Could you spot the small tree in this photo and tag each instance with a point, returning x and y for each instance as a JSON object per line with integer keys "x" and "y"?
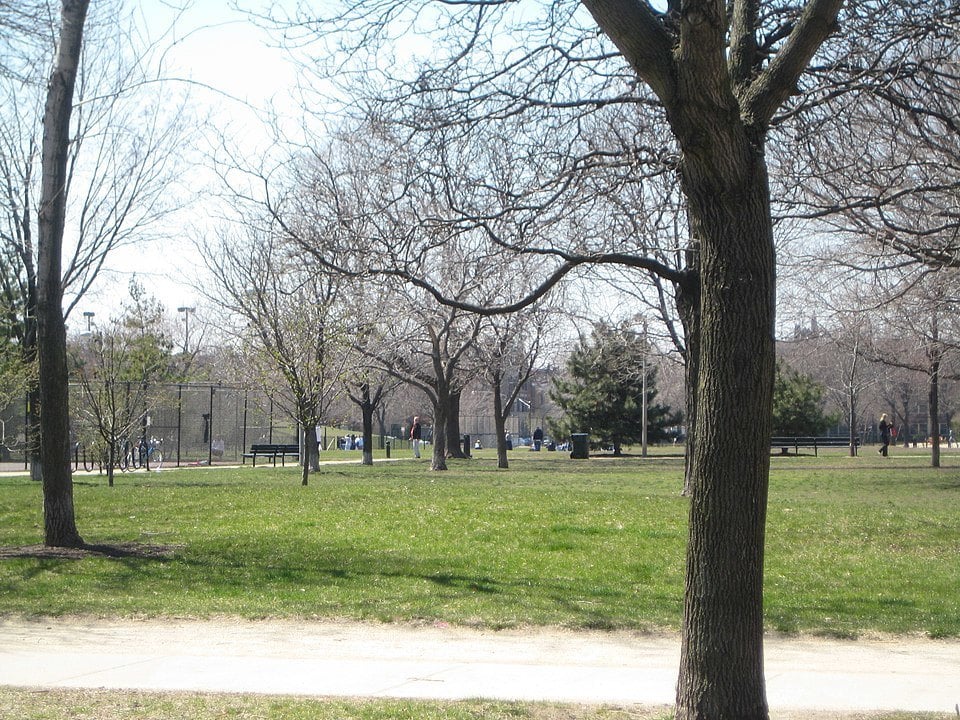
{"x": 798, "y": 404}
{"x": 112, "y": 405}
{"x": 605, "y": 392}
{"x": 119, "y": 370}
{"x": 288, "y": 320}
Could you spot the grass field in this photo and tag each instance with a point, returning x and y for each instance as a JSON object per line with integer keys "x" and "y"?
{"x": 104, "y": 705}
{"x": 98, "y": 705}
{"x": 854, "y": 545}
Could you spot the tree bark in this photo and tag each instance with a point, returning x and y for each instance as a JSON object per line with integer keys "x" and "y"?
{"x": 454, "y": 448}
{"x": 852, "y": 420}
{"x": 33, "y": 430}
{"x": 688, "y": 307}
{"x": 933, "y": 402}
{"x": 440, "y": 409}
{"x": 500, "y": 423}
{"x": 721, "y": 671}
{"x": 59, "y": 519}
{"x": 311, "y": 449}
{"x": 366, "y": 413}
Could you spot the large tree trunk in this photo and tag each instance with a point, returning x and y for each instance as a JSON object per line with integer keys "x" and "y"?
{"x": 500, "y": 424}
{"x": 454, "y": 448}
{"x": 33, "y": 430}
{"x": 59, "y": 519}
{"x": 440, "y": 409}
{"x": 934, "y": 353}
{"x": 852, "y": 420}
{"x": 721, "y": 669}
{"x": 933, "y": 398}
{"x": 688, "y": 307}
{"x": 366, "y": 412}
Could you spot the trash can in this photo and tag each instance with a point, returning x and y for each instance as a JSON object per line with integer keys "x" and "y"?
{"x": 581, "y": 446}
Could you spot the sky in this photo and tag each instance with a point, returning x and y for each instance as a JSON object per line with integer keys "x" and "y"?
{"x": 232, "y": 71}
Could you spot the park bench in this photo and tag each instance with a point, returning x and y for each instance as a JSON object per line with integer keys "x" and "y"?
{"x": 272, "y": 451}
{"x": 809, "y": 441}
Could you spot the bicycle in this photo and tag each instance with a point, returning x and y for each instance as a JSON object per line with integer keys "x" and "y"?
{"x": 147, "y": 455}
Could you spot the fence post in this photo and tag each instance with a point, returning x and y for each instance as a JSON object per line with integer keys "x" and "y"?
{"x": 179, "y": 419}
{"x": 243, "y": 442}
{"x": 210, "y": 434}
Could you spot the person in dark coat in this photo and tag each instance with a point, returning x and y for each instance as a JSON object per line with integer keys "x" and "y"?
{"x": 885, "y": 426}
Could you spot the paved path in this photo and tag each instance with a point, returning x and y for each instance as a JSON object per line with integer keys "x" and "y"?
{"x": 345, "y": 659}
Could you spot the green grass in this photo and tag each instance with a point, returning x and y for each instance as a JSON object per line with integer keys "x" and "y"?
{"x": 107, "y": 705}
{"x": 854, "y": 545}
{"x": 114, "y": 705}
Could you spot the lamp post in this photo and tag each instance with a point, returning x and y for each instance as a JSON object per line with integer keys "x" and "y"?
{"x": 643, "y": 390}
{"x": 529, "y": 408}
{"x": 186, "y": 325}
{"x": 643, "y": 451}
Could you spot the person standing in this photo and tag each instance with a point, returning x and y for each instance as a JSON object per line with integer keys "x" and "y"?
{"x": 537, "y": 439}
{"x": 885, "y": 426}
{"x": 415, "y": 434}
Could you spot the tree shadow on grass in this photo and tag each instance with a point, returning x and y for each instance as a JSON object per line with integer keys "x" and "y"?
{"x": 120, "y": 551}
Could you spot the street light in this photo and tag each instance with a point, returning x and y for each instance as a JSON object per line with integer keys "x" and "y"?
{"x": 89, "y": 315}
{"x": 646, "y": 347}
{"x": 643, "y": 451}
{"x": 186, "y": 325}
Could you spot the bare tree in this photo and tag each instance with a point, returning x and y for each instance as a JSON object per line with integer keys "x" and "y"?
{"x": 288, "y": 318}
{"x": 427, "y": 349}
{"x": 882, "y": 163}
{"x": 509, "y": 350}
{"x": 59, "y": 518}
{"x": 124, "y": 139}
{"x": 115, "y": 400}
{"x": 921, "y": 334}
{"x": 368, "y": 384}
{"x": 720, "y": 71}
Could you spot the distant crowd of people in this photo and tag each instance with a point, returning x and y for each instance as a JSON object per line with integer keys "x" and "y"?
{"x": 350, "y": 442}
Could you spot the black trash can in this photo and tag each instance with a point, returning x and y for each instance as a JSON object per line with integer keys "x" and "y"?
{"x": 581, "y": 446}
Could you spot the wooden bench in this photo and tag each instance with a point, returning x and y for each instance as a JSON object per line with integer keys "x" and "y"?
{"x": 273, "y": 451}
{"x": 809, "y": 441}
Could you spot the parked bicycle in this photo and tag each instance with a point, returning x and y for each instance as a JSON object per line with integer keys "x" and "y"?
{"x": 144, "y": 455}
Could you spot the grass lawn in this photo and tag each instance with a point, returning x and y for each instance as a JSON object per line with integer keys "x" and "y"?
{"x": 100, "y": 705}
{"x": 854, "y": 545}
{"x": 104, "y": 705}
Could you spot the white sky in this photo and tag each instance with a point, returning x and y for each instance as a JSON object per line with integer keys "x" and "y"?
{"x": 233, "y": 72}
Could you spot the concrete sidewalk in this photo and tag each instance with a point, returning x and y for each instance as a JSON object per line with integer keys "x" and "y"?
{"x": 345, "y": 659}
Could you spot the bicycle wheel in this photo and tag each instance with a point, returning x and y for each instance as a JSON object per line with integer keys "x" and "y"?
{"x": 124, "y": 457}
{"x": 89, "y": 465}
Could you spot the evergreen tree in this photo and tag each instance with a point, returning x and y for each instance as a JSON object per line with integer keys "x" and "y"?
{"x": 144, "y": 330}
{"x": 798, "y": 404}
{"x": 603, "y": 393}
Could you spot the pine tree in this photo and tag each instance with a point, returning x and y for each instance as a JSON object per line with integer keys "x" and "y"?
{"x": 798, "y": 404}
{"x": 603, "y": 393}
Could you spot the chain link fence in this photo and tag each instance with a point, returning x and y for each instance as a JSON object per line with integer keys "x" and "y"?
{"x": 189, "y": 423}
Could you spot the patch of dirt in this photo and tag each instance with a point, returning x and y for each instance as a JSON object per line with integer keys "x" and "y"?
{"x": 114, "y": 550}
